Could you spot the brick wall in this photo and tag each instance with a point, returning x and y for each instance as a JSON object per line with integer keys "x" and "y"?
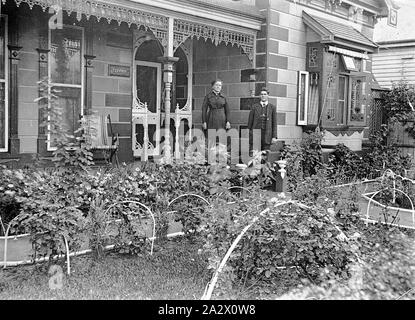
{"x": 230, "y": 65}
{"x": 112, "y": 44}
{"x": 284, "y": 38}
{"x": 281, "y": 53}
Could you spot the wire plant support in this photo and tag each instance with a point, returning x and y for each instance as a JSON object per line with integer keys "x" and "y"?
{"x": 389, "y": 173}
{"x": 148, "y": 210}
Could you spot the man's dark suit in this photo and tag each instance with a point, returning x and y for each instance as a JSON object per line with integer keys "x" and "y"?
{"x": 255, "y": 122}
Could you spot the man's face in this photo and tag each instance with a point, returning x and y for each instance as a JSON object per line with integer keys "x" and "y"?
{"x": 264, "y": 96}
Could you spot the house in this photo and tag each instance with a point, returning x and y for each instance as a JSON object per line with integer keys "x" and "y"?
{"x": 394, "y": 61}
{"x": 395, "y": 58}
{"x": 147, "y": 63}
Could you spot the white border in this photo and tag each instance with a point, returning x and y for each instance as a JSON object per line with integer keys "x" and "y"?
{"x": 302, "y": 122}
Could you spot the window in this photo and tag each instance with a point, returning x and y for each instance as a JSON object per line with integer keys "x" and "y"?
{"x": 330, "y": 107}
{"x": 339, "y": 97}
{"x": 303, "y": 79}
{"x": 314, "y": 99}
{"x": 342, "y": 98}
{"x": 66, "y": 74}
{"x": 357, "y": 99}
{"x": 349, "y": 63}
{"x": 4, "y": 130}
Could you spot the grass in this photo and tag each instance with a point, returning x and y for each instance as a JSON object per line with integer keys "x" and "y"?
{"x": 175, "y": 271}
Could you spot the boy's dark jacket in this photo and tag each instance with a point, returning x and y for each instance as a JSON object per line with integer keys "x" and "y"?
{"x": 254, "y": 121}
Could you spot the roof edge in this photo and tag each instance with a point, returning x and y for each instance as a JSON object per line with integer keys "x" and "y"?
{"x": 328, "y": 36}
{"x": 317, "y": 27}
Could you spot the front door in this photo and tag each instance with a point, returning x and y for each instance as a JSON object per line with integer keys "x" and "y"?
{"x": 146, "y": 109}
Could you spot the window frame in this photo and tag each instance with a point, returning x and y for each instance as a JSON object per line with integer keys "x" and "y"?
{"x": 304, "y": 121}
{"x": 349, "y": 76}
{"x": 6, "y": 85}
{"x": 63, "y": 85}
{"x": 346, "y": 101}
{"x": 345, "y": 60}
{"x": 364, "y": 76}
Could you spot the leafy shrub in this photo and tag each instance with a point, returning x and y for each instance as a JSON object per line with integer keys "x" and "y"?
{"x": 71, "y": 150}
{"x": 303, "y": 159}
{"x": 259, "y": 171}
{"x": 386, "y": 269}
{"x": 49, "y": 211}
{"x": 346, "y": 163}
{"x": 11, "y": 185}
{"x": 385, "y": 155}
{"x": 96, "y": 226}
{"x": 84, "y": 195}
{"x": 308, "y": 239}
{"x": 397, "y": 102}
{"x": 314, "y": 190}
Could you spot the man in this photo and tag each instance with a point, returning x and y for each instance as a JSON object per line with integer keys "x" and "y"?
{"x": 263, "y": 116}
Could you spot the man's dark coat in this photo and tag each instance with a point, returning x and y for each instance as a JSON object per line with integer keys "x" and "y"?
{"x": 254, "y": 121}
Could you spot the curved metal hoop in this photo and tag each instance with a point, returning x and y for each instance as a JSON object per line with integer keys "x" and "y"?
{"x": 412, "y": 204}
{"x": 189, "y": 195}
{"x": 6, "y": 237}
{"x": 68, "y": 263}
{"x": 148, "y": 210}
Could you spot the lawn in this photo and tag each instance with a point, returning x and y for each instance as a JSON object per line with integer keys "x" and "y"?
{"x": 175, "y": 271}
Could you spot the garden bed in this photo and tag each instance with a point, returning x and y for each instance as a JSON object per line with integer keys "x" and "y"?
{"x": 19, "y": 247}
{"x": 374, "y": 210}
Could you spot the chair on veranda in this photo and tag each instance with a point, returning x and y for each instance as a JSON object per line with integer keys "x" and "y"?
{"x": 98, "y": 139}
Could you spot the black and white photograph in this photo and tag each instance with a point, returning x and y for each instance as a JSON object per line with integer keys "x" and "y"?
{"x": 208, "y": 156}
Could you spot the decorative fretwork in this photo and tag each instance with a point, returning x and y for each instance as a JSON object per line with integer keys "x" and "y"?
{"x": 357, "y": 99}
{"x": 161, "y": 36}
{"x": 333, "y": 4}
{"x": 142, "y": 115}
{"x": 332, "y": 61}
{"x": 355, "y": 12}
{"x": 141, "y": 36}
{"x": 101, "y": 10}
{"x": 186, "y": 29}
{"x": 158, "y": 24}
{"x": 312, "y": 57}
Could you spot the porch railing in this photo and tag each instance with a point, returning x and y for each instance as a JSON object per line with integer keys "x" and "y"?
{"x": 142, "y": 115}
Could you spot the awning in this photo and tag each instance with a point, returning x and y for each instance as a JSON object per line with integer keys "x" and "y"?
{"x": 336, "y": 32}
{"x": 349, "y": 53}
